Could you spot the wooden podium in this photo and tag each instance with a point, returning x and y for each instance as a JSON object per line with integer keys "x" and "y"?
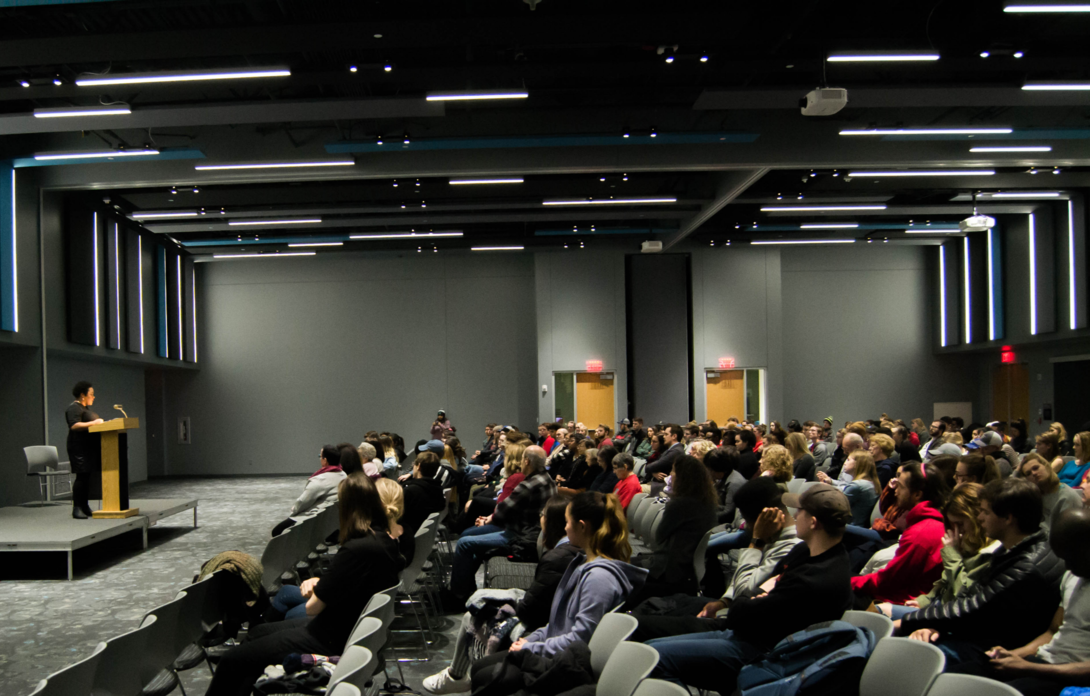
{"x": 115, "y": 468}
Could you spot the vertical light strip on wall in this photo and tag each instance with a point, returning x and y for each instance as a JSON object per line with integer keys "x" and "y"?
{"x": 942, "y": 295}
{"x": 94, "y": 247}
{"x": 14, "y": 259}
{"x": 1071, "y": 264}
{"x": 194, "y": 315}
{"x": 968, "y": 298}
{"x": 181, "y": 334}
{"x": 991, "y": 288}
{"x": 117, "y": 281}
{"x": 1032, "y": 276}
{"x": 140, "y": 283}
{"x": 161, "y": 293}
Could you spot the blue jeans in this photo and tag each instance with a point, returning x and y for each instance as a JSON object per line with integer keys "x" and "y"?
{"x": 898, "y": 612}
{"x": 721, "y": 542}
{"x": 474, "y": 470}
{"x": 709, "y": 660}
{"x": 475, "y": 544}
{"x": 289, "y": 602}
{"x": 862, "y": 534}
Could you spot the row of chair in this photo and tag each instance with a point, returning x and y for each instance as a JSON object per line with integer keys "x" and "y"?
{"x": 644, "y": 515}
{"x": 296, "y": 545}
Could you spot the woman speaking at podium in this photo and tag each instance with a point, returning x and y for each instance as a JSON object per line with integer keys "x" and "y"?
{"x": 83, "y": 446}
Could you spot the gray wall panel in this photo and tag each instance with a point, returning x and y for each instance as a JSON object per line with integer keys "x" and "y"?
{"x": 660, "y": 355}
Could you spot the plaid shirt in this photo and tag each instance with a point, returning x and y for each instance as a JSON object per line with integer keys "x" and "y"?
{"x": 520, "y": 513}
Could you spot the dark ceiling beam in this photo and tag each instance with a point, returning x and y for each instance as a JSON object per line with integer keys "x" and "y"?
{"x": 729, "y": 186}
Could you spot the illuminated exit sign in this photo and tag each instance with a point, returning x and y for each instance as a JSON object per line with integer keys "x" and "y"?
{"x": 594, "y": 366}
{"x": 726, "y": 363}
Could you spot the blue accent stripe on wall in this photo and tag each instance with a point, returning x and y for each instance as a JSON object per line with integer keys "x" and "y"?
{"x": 996, "y": 279}
{"x": 9, "y": 275}
{"x": 161, "y": 297}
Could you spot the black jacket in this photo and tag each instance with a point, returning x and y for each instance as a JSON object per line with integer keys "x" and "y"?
{"x": 748, "y": 464}
{"x": 561, "y": 463}
{"x": 1010, "y": 606}
{"x": 805, "y": 468}
{"x": 684, "y": 523}
{"x": 536, "y": 604}
{"x": 665, "y": 463}
{"x": 908, "y": 452}
{"x": 423, "y": 497}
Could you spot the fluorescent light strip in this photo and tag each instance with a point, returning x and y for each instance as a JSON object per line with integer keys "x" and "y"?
{"x": 933, "y": 172}
{"x": 991, "y": 287}
{"x": 406, "y": 235}
{"x": 299, "y": 221}
{"x": 1071, "y": 262}
{"x": 817, "y": 208}
{"x": 478, "y": 94}
{"x": 611, "y": 201}
{"x": 163, "y": 216}
{"x": 832, "y": 226}
{"x": 14, "y": 256}
{"x": 94, "y": 247}
{"x": 1013, "y": 148}
{"x": 1046, "y": 9}
{"x": 317, "y": 244}
{"x": 264, "y": 256}
{"x": 968, "y": 297}
{"x": 181, "y": 333}
{"x": 273, "y": 165}
{"x": 140, "y": 282}
{"x": 942, "y": 295}
{"x": 513, "y": 180}
{"x": 881, "y": 57}
{"x": 928, "y": 131}
{"x": 153, "y": 78}
{"x": 1022, "y": 194}
{"x": 1032, "y": 276}
{"x": 94, "y": 154}
{"x": 194, "y": 314}
{"x": 117, "y": 281}
{"x": 72, "y": 111}
{"x": 1056, "y": 86}
{"x": 497, "y": 248}
{"x": 805, "y": 241}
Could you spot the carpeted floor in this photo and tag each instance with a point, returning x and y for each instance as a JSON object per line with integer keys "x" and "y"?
{"x": 50, "y": 623}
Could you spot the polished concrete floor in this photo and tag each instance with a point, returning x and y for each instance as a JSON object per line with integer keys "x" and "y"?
{"x": 49, "y": 623}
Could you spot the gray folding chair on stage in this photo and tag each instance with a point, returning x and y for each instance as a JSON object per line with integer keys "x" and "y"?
{"x": 41, "y": 461}
{"x": 611, "y": 631}
{"x": 120, "y": 665}
{"x": 901, "y": 667}
{"x": 660, "y": 687}
{"x": 74, "y": 680}
{"x": 629, "y": 665}
{"x": 879, "y": 624}
{"x": 355, "y": 667}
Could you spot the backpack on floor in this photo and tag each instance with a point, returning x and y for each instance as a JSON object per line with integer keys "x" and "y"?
{"x": 824, "y": 659}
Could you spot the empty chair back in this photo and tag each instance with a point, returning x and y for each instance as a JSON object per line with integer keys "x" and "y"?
{"x": 162, "y": 646}
{"x": 876, "y": 512}
{"x": 381, "y": 606}
{"x": 901, "y": 667}
{"x": 631, "y": 514}
{"x": 277, "y": 558}
{"x": 74, "y": 680}
{"x": 647, "y": 514}
{"x": 369, "y": 633}
{"x": 879, "y": 624}
{"x": 660, "y": 687}
{"x": 611, "y": 631}
{"x": 355, "y": 667}
{"x": 699, "y": 566}
{"x": 629, "y": 665}
{"x": 121, "y": 664}
{"x": 425, "y": 540}
{"x": 40, "y": 458}
{"x": 968, "y": 685}
{"x": 656, "y": 523}
{"x": 190, "y": 626}
{"x": 344, "y": 689}
{"x": 795, "y": 485}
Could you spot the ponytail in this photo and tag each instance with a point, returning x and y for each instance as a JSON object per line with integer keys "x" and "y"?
{"x": 607, "y": 528}
{"x": 393, "y": 500}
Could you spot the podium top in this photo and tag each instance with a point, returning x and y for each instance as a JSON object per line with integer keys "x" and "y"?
{"x": 116, "y": 424}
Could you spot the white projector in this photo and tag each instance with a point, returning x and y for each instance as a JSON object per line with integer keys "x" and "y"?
{"x": 977, "y": 223}
{"x": 824, "y": 102}
{"x": 651, "y": 247}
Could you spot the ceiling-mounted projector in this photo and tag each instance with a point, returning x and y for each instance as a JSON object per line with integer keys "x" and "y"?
{"x": 977, "y": 223}
{"x": 824, "y": 102}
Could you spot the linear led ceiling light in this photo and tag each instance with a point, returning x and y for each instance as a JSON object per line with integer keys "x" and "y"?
{"x": 1032, "y": 275}
{"x": 830, "y": 226}
{"x": 882, "y": 56}
{"x": 511, "y": 180}
{"x": 968, "y": 293}
{"x": 179, "y": 76}
{"x": 1069, "y": 86}
{"x": 610, "y": 201}
{"x": 1051, "y": 8}
{"x": 274, "y": 255}
{"x": 406, "y": 235}
{"x": 1072, "y": 294}
{"x": 1013, "y": 148}
{"x": 274, "y": 165}
{"x": 71, "y": 111}
{"x": 497, "y": 248}
{"x": 470, "y": 95}
{"x": 316, "y": 244}
{"x": 1025, "y": 195}
{"x": 942, "y": 296}
{"x": 804, "y": 241}
{"x": 817, "y": 208}
{"x": 928, "y": 131}
{"x": 928, "y": 172}
{"x": 92, "y": 154}
{"x": 295, "y": 221}
{"x": 165, "y": 215}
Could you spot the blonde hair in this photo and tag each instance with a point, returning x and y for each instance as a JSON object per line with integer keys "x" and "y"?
{"x": 796, "y": 445}
{"x": 393, "y": 500}
{"x": 700, "y": 448}
{"x": 884, "y": 442}
{"x": 607, "y": 528}
{"x": 448, "y": 455}
{"x": 512, "y": 457}
{"x": 1082, "y": 446}
{"x": 387, "y": 443}
{"x": 777, "y": 460}
{"x": 953, "y": 438}
{"x": 965, "y": 502}
{"x": 865, "y": 468}
{"x": 1058, "y": 427}
{"x": 1053, "y": 477}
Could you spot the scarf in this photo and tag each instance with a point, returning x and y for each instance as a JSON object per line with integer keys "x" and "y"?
{"x": 326, "y": 470}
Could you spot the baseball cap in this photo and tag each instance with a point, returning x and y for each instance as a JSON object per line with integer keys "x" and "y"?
{"x": 625, "y": 422}
{"x": 442, "y": 412}
{"x": 435, "y": 446}
{"x": 827, "y": 503}
{"x": 829, "y": 419}
{"x": 945, "y": 448}
{"x": 988, "y": 439}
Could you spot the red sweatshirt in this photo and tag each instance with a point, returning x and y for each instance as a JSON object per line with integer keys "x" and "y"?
{"x": 626, "y": 489}
{"x": 917, "y": 565}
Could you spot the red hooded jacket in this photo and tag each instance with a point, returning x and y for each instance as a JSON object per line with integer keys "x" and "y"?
{"x": 917, "y": 565}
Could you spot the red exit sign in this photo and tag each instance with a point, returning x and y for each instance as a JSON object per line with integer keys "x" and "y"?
{"x": 594, "y": 366}
{"x": 726, "y": 363}
{"x": 1006, "y": 355}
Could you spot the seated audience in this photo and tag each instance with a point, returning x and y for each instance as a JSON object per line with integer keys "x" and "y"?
{"x": 990, "y": 444}
{"x": 367, "y": 562}
{"x": 350, "y": 460}
{"x": 583, "y": 473}
{"x": 423, "y": 496}
{"x": 559, "y": 461}
{"x": 802, "y": 462}
{"x": 606, "y": 480}
{"x": 881, "y": 448}
{"x": 1060, "y": 656}
{"x": 627, "y": 483}
{"x": 675, "y": 447}
{"x": 859, "y": 482}
{"x": 722, "y": 463}
{"x": 917, "y": 563}
{"x": 776, "y": 463}
{"x": 1073, "y": 473}
{"x": 1015, "y": 600}
{"x": 1048, "y": 446}
{"x": 903, "y": 446}
{"x": 320, "y": 488}
{"x": 590, "y": 588}
{"x": 813, "y": 586}
{"x": 821, "y": 450}
{"x": 1055, "y": 497}
{"x": 748, "y": 464}
{"x": 514, "y": 526}
{"x": 532, "y": 610}
{"x": 849, "y": 443}
{"x": 701, "y": 447}
{"x": 390, "y": 461}
{"x": 603, "y": 435}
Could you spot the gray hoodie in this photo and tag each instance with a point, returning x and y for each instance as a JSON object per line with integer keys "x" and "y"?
{"x": 587, "y": 592}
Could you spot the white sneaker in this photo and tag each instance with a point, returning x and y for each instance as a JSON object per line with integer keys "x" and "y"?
{"x": 443, "y": 683}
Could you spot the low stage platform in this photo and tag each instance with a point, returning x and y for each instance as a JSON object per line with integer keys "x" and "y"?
{"x": 51, "y": 527}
